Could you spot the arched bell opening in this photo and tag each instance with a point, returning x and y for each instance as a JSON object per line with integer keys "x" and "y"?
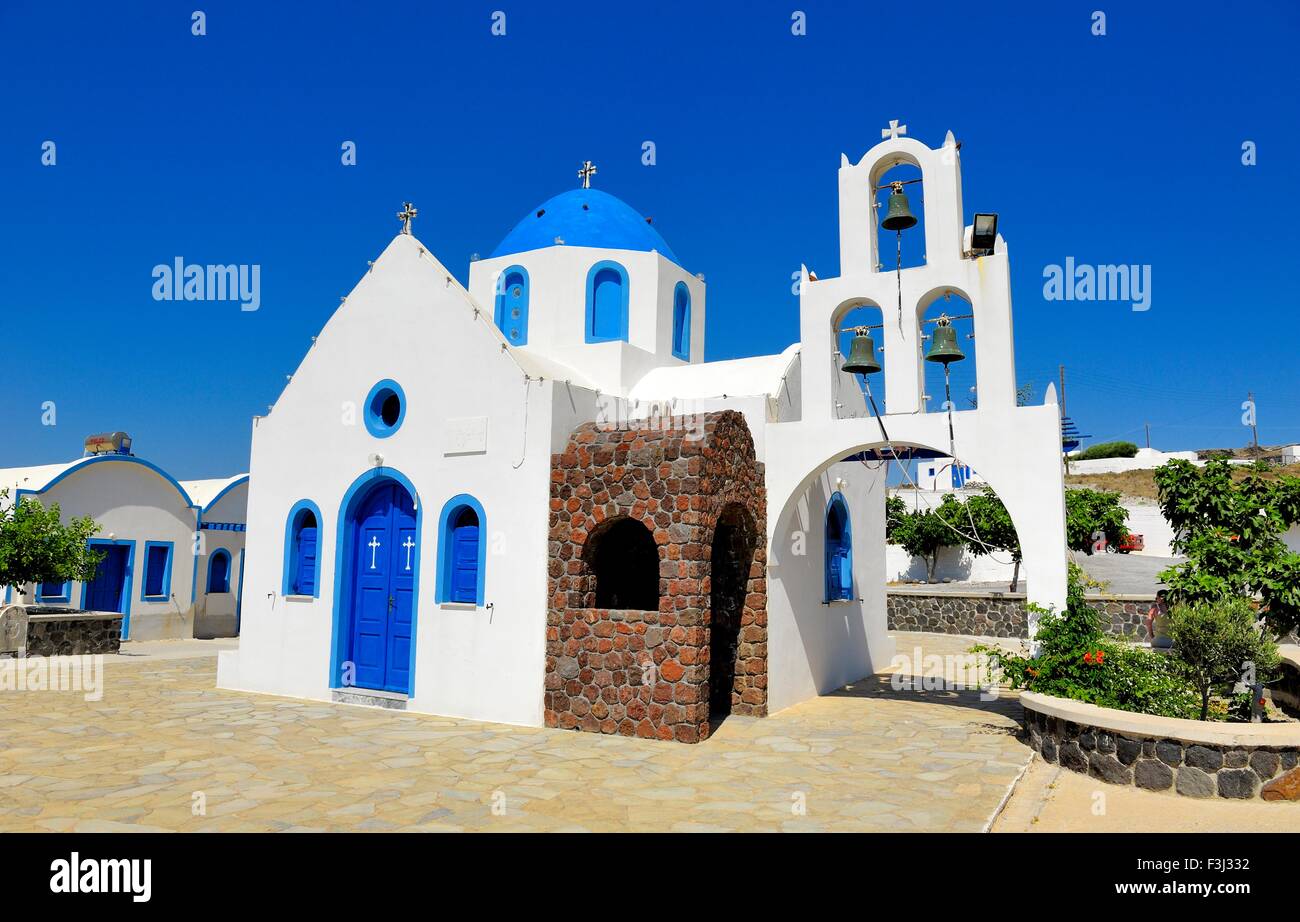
{"x": 898, "y": 206}
{"x": 622, "y": 563}
{"x": 732, "y": 569}
{"x": 851, "y": 322}
{"x": 947, "y": 345}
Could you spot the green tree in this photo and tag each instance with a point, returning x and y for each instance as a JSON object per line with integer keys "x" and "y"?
{"x": 1093, "y": 513}
{"x": 924, "y": 532}
{"x": 36, "y": 547}
{"x": 990, "y": 529}
{"x": 1214, "y": 642}
{"x": 1230, "y": 531}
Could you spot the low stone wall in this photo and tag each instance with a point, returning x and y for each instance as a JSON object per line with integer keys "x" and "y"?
{"x": 999, "y": 614}
{"x": 74, "y": 635}
{"x": 1191, "y": 758}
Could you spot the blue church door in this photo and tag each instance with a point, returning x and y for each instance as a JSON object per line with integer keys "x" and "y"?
{"x": 383, "y": 580}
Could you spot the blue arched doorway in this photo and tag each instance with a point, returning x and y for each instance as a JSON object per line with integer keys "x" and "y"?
{"x": 376, "y": 588}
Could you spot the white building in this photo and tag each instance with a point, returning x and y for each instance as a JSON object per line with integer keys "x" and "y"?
{"x": 524, "y": 502}
{"x": 173, "y": 551}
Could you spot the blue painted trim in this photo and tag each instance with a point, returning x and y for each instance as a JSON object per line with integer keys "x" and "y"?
{"x": 64, "y": 594}
{"x": 219, "y": 554}
{"x": 442, "y": 585}
{"x": 196, "y": 546}
{"x": 239, "y": 599}
{"x": 499, "y": 310}
{"x": 591, "y": 302}
{"x": 343, "y": 570}
{"x": 166, "y": 594}
{"x": 837, "y": 499}
{"x": 126, "y": 581}
{"x": 682, "y": 325}
{"x": 224, "y": 490}
{"x": 374, "y": 424}
{"x": 116, "y": 459}
{"x": 290, "y": 532}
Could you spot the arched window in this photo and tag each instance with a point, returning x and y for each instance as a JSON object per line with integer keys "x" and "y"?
{"x": 219, "y": 571}
{"x": 512, "y": 305}
{"x": 624, "y": 560}
{"x": 462, "y": 551}
{"x": 606, "y": 302}
{"x": 302, "y": 550}
{"x": 682, "y": 322}
{"x": 839, "y": 550}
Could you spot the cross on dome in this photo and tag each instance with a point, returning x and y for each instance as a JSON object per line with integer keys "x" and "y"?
{"x": 588, "y": 170}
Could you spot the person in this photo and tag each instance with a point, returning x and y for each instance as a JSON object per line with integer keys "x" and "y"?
{"x": 1156, "y": 615}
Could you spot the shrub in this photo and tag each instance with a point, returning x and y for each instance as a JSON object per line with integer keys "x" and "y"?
{"x": 1077, "y": 660}
{"x": 1215, "y": 642}
{"x": 1107, "y": 450}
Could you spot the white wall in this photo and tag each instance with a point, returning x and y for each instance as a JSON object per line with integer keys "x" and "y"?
{"x": 405, "y": 321}
{"x": 216, "y": 614}
{"x": 814, "y": 648}
{"x": 557, "y": 278}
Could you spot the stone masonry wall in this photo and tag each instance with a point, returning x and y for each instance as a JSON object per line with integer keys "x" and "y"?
{"x": 646, "y": 673}
{"x": 1001, "y": 614}
{"x": 1190, "y": 769}
{"x": 73, "y": 636}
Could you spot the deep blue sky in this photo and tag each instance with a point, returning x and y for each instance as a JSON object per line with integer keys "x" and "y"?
{"x": 225, "y": 149}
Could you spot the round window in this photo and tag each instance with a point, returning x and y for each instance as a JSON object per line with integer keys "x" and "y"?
{"x": 385, "y": 408}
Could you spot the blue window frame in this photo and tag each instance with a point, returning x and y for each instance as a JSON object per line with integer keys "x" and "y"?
{"x": 607, "y": 299}
{"x": 385, "y": 408}
{"x": 839, "y": 550}
{"x": 54, "y": 592}
{"x": 512, "y": 305}
{"x": 302, "y": 533}
{"x": 682, "y": 322}
{"x": 219, "y": 571}
{"x": 157, "y": 583}
{"x": 462, "y": 551}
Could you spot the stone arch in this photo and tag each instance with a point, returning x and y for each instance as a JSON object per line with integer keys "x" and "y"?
{"x": 645, "y": 672}
{"x": 621, "y": 566}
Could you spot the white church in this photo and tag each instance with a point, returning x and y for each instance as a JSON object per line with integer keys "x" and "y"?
{"x": 533, "y": 501}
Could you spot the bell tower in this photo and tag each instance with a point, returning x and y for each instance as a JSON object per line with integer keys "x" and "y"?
{"x": 869, "y": 276}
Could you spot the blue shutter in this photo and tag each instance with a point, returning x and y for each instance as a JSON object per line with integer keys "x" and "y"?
{"x": 464, "y": 580}
{"x": 155, "y": 568}
{"x": 305, "y": 565}
{"x": 219, "y": 572}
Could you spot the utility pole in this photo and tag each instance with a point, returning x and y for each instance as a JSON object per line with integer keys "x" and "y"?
{"x": 1148, "y": 428}
{"x": 1062, "y": 368}
{"x": 1254, "y": 429}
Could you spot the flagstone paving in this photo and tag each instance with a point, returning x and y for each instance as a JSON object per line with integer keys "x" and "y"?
{"x": 163, "y": 739}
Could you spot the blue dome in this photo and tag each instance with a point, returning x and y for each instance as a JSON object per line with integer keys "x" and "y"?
{"x": 584, "y": 218}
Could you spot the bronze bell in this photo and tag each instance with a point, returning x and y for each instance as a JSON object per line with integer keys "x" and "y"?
{"x": 898, "y": 215}
{"x": 862, "y": 355}
{"x": 943, "y": 345}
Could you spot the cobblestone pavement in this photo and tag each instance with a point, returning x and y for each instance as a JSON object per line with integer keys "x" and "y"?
{"x": 866, "y": 758}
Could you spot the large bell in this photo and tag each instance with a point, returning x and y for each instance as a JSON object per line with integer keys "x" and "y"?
{"x": 898, "y": 216}
{"x": 862, "y": 356}
{"x": 943, "y": 345}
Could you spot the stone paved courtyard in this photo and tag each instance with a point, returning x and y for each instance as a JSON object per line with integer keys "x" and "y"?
{"x": 864, "y": 759}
